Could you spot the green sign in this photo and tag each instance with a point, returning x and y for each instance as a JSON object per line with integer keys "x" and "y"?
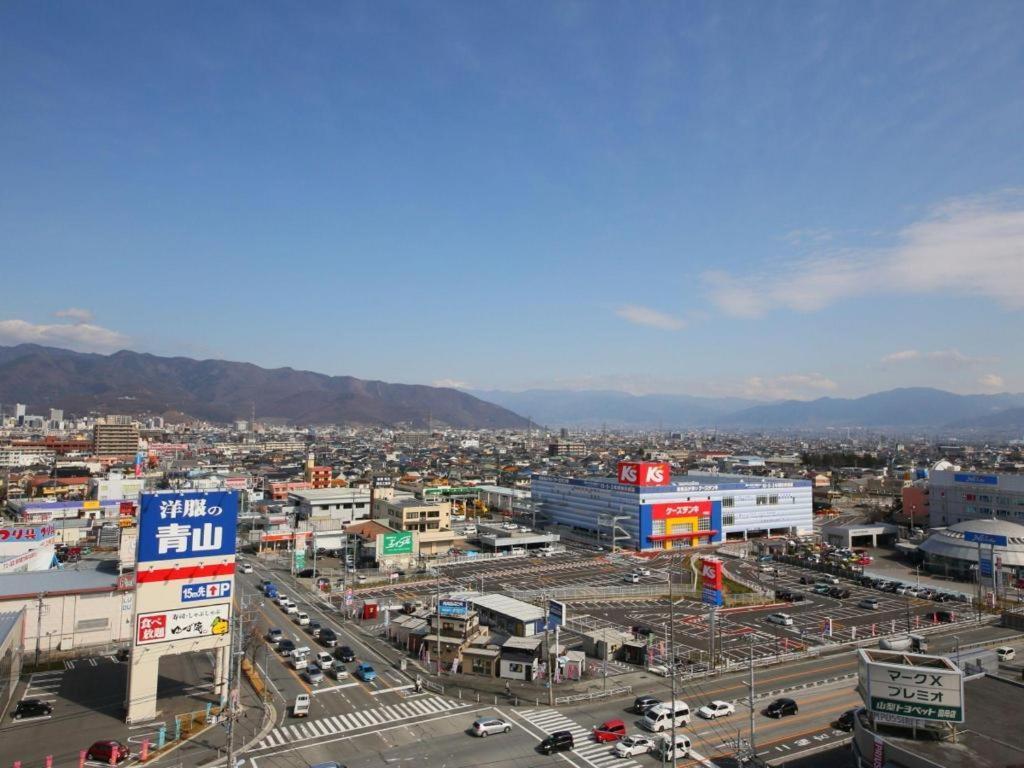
{"x": 445, "y": 493}
{"x": 399, "y": 543}
{"x": 917, "y": 711}
{"x": 300, "y": 559}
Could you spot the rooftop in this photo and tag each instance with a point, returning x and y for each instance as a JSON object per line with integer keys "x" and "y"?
{"x": 509, "y": 606}
{"x": 85, "y": 576}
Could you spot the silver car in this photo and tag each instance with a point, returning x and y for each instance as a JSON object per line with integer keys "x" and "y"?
{"x": 485, "y": 726}
{"x": 314, "y": 674}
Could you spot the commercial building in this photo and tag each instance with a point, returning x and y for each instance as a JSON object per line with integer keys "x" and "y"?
{"x": 12, "y": 628}
{"x": 340, "y": 505}
{"x": 498, "y": 498}
{"x": 954, "y": 551}
{"x": 415, "y": 515}
{"x": 115, "y": 436}
{"x": 954, "y": 497}
{"x": 651, "y": 511}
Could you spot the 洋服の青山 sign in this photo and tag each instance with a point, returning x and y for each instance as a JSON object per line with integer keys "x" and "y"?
{"x": 184, "y": 526}
{"x": 399, "y": 543}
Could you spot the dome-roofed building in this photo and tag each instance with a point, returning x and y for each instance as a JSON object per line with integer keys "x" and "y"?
{"x": 948, "y": 552}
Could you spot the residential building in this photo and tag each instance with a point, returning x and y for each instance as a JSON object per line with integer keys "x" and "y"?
{"x": 116, "y": 436}
{"x": 415, "y": 515}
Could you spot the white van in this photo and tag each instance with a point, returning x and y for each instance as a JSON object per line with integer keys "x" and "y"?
{"x": 682, "y": 747}
{"x": 301, "y": 706}
{"x": 661, "y": 717}
{"x": 299, "y": 658}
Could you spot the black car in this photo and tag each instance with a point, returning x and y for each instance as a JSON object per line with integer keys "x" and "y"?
{"x": 315, "y": 628}
{"x": 845, "y": 721}
{"x": 839, "y": 593}
{"x": 345, "y": 654}
{"x": 559, "y": 741}
{"x": 32, "y": 708}
{"x": 327, "y": 637}
{"x": 781, "y": 708}
{"x": 806, "y": 579}
{"x": 286, "y": 646}
{"x": 867, "y": 581}
{"x": 308, "y": 573}
{"x": 783, "y": 594}
{"x": 944, "y": 617}
{"x": 642, "y": 703}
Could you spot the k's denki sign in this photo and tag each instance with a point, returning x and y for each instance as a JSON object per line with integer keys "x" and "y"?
{"x": 644, "y": 473}
{"x": 190, "y": 525}
{"x": 711, "y": 573}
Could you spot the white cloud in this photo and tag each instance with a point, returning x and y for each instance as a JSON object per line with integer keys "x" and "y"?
{"x": 793, "y": 386}
{"x": 80, "y": 336}
{"x": 973, "y": 247}
{"x": 75, "y": 313}
{"x": 992, "y": 382}
{"x": 944, "y": 358}
{"x": 902, "y": 357}
{"x": 451, "y": 383}
{"x": 649, "y": 317}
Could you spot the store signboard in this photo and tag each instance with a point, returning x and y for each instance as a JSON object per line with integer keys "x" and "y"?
{"x": 556, "y": 614}
{"x": 190, "y": 525}
{"x": 991, "y": 539}
{"x": 644, "y": 473}
{"x": 399, "y": 543}
{"x": 182, "y": 624}
{"x": 911, "y": 686}
{"x": 453, "y": 608}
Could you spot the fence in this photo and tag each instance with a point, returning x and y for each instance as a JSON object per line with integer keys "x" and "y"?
{"x": 604, "y": 694}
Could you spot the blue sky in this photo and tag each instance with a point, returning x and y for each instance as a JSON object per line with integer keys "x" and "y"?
{"x": 763, "y": 199}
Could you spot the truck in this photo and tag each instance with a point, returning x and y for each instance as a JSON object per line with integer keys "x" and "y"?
{"x": 270, "y": 590}
{"x": 914, "y": 643}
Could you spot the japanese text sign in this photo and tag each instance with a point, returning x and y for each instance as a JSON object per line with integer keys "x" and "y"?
{"x": 182, "y": 624}
{"x": 189, "y": 525}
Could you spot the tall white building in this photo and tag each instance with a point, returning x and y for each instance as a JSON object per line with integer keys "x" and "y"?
{"x": 955, "y": 497}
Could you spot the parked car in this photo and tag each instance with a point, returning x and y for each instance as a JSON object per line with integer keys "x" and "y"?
{"x": 37, "y": 708}
{"x": 781, "y": 708}
{"x": 327, "y": 637}
{"x": 782, "y": 619}
{"x": 610, "y": 730}
{"x": 839, "y": 593}
{"x": 845, "y": 720}
{"x": 274, "y": 635}
{"x": 716, "y": 709}
{"x": 107, "y": 751}
{"x": 870, "y": 603}
{"x": 559, "y": 741}
{"x": 806, "y": 580}
{"x": 345, "y": 654}
{"x": 631, "y": 578}
{"x": 642, "y": 703}
{"x": 945, "y": 617}
{"x": 306, "y": 573}
{"x": 821, "y": 589}
{"x": 629, "y": 746}
{"x": 485, "y": 726}
{"x": 314, "y": 674}
{"x": 1005, "y": 653}
{"x": 644, "y": 571}
{"x": 366, "y": 673}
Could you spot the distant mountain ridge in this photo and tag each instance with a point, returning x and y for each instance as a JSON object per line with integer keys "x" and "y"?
{"x": 608, "y": 408}
{"x": 918, "y": 408}
{"x": 222, "y": 391}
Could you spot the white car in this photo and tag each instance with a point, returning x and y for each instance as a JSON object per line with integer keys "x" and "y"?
{"x": 324, "y": 660}
{"x": 282, "y": 600}
{"x": 628, "y": 746}
{"x": 301, "y": 618}
{"x": 631, "y": 578}
{"x": 783, "y": 619}
{"x": 291, "y": 608}
{"x": 246, "y": 568}
{"x": 716, "y": 709}
{"x": 1005, "y": 653}
{"x": 644, "y": 571}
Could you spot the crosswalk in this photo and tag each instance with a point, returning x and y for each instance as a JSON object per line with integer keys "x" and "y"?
{"x": 598, "y": 755}
{"x": 355, "y": 721}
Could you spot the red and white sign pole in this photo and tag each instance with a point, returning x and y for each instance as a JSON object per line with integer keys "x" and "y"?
{"x": 49, "y": 761}
{"x": 81, "y": 759}
{"x": 143, "y": 753}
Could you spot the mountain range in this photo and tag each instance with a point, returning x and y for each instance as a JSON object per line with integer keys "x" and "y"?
{"x": 222, "y": 391}
{"x": 911, "y": 408}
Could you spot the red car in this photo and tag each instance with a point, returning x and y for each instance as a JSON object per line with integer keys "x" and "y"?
{"x": 102, "y": 751}
{"x": 612, "y": 730}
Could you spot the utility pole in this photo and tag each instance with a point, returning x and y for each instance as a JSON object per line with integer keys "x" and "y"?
{"x": 672, "y": 660}
{"x": 550, "y": 656}
{"x": 438, "y": 610}
{"x": 235, "y": 678}
{"x": 753, "y": 744}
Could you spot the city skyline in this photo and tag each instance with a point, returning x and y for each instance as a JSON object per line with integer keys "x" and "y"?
{"x": 761, "y": 202}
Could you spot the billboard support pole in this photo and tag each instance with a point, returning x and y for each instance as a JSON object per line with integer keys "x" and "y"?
{"x": 978, "y": 607}
{"x": 438, "y": 609}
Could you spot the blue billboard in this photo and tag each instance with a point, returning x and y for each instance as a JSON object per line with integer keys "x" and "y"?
{"x": 969, "y": 477}
{"x": 711, "y": 596}
{"x": 453, "y": 608}
{"x": 208, "y": 591}
{"x": 992, "y": 539}
{"x": 986, "y": 568}
{"x": 187, "y": 525}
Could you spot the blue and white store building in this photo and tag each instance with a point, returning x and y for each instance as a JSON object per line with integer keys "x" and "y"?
{"x": 695, "y": 510}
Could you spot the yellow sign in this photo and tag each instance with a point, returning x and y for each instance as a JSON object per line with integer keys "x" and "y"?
{"x": 91, "y": 504}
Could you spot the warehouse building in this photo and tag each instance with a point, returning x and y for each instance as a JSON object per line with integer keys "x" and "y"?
{"x": 656, "y": 512}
